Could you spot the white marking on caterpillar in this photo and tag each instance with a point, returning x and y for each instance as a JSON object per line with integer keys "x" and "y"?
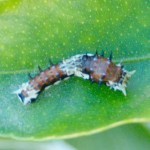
{"x": 46, "y": 88}
{"x": 66, "y": 78}
{"x": 70, "y": 65}
{"x": 57, "y": 82}
{"x": 73, "y": 66}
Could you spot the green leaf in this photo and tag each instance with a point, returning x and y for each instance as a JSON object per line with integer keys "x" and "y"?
{"x": 32, "y": 32}
{"x": 126, "y": 137}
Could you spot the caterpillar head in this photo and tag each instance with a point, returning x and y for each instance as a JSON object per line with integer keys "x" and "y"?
{"x": 122, "y": 83}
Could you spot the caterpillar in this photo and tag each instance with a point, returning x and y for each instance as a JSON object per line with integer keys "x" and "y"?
{"x": 93, "y": 67}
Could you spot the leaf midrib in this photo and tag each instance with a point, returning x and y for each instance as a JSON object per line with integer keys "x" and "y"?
{"x": 125, "y": 61}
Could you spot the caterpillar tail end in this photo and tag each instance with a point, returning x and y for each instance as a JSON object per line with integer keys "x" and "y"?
{"x": 26, "y": 93}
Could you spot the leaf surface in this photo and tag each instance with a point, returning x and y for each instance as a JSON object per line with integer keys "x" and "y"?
{"x": 32, "y": 32}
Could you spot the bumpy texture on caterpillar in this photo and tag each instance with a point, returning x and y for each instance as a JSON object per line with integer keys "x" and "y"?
{"x": 87, "y": 66}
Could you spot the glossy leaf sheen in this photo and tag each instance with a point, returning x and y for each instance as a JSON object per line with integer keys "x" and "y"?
{"x": 32, "y": 32}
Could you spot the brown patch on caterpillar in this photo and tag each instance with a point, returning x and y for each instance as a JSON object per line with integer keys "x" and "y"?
{"x": 47, "y": 77}
{"x": 113, "y": 73}
{"x": 101, "y": 69}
